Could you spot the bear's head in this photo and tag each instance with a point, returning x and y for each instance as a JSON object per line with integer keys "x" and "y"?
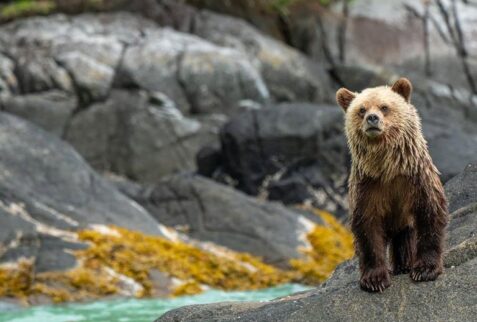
{"x": 380, "y": 112}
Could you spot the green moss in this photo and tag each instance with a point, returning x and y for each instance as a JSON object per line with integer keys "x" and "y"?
{"x": 24, "y": 8}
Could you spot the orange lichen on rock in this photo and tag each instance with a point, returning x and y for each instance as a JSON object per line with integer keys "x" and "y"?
{"x": 134, "y": 254}
{"x": 331, "y": 244}
{"x": 118, "y": 261}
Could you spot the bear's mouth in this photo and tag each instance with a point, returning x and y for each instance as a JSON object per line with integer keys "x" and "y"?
{"x": 373, "y": 129}
{"x": 373, "y": 132}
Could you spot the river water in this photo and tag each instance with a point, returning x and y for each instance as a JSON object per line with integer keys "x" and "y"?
{"x": 143, "y": 310}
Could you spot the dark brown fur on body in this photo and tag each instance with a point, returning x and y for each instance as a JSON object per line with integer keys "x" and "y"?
{"x": 396, "y": 198}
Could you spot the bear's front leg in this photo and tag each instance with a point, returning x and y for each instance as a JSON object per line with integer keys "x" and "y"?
{"x": 431, "y": 219}
{"x": 371, "y": 247}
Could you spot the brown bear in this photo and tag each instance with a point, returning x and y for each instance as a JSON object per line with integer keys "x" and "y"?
{"x": 395, "y": 195}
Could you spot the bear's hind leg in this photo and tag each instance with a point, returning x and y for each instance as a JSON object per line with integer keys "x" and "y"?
{"x": 431, "y": 219}
{"x": 403, "y": 247}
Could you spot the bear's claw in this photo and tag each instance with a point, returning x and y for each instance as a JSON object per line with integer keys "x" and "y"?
{"x": 375, "y": 280}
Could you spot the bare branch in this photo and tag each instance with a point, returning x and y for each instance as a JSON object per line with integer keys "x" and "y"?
{"x": 341, "y": 37}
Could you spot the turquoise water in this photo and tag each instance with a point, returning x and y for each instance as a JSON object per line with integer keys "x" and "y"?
{"x": 129, "y": 310}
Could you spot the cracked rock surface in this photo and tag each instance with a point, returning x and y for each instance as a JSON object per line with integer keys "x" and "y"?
{"x": 451, "y": 298}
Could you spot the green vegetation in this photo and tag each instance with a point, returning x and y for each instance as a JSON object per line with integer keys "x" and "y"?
{"x": 22, "y": 8}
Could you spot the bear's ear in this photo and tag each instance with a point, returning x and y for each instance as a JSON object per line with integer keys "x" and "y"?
{"x": 404, "y": 88}
{"x": 344, "y": 97}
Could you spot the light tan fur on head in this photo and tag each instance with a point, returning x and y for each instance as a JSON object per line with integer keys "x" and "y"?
{"x": 395, "y": 145}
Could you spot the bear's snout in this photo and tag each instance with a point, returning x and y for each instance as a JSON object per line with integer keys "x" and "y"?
{"x": 372, "y": 119}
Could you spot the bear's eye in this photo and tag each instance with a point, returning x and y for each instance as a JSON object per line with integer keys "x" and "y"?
{"x": 362, "y": 111}
{"x": 384, "y": 108}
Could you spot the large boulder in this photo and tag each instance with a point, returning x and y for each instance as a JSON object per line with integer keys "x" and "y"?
{"x": 289, "y": 152}
{"x": 46, "y": 191}
{"x": 451, "y": 298}
{"x": 208, "y": 211}
{"x": 50, "y": 109}
{"x": 289, "y": 75}
{"x": 199, "y": 76}
{"x": 140, "y": 135}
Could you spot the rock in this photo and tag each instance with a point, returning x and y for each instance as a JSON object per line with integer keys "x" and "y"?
{"x": 89, "y": 58}
{"x": 142, "y": 136}
{"x": 92, "y": 79}
{"x": 209, "y": 211}
{"x": 51, "y": 109}
{"x": 450, "y": 298}
{"x": 47, "y": 191}
{"x": 87, "y": 52}
{"x": 358, "y": 77}
{"x": 8, "y": 81}
{"x": 462, "y": 189}
{"x": 289, "y": 75}
{"x": 288, "y": 146}
{"x": 198, "y": 75}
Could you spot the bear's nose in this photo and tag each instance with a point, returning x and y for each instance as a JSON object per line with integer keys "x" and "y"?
{"x": 372, "y": 119}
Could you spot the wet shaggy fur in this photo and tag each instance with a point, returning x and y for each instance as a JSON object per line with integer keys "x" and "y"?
{"x": 397, "y": 202}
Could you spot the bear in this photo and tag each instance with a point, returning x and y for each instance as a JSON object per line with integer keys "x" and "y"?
{"x": 397, "y": 203}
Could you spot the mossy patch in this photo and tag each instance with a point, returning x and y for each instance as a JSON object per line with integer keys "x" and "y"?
{"x": 128, "y": 256}
{"x": 24, "y": 8}
{"x": 331, "y": 244}
{"x": 134, "y": 254}
{"x": 119, "y": 261}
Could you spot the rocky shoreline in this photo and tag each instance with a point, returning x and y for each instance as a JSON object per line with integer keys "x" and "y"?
{"x": 178, "y": 128}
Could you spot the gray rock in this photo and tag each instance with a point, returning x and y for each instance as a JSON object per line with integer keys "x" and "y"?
{"x": 462, "y": 189}
{"x": 8, "y": 81}
{"x": 289, "y": 75}
{"x": 92, "y": 79}
{"x": 140, "y": 135}
{"x": 198, "y": 75}
{"x": 47, "y": 190}
{"x": 451, "y": 298}
{"x": 298, "y": 147}
{"x": 209, "y": 211}
{"x": 51, "y": 109}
